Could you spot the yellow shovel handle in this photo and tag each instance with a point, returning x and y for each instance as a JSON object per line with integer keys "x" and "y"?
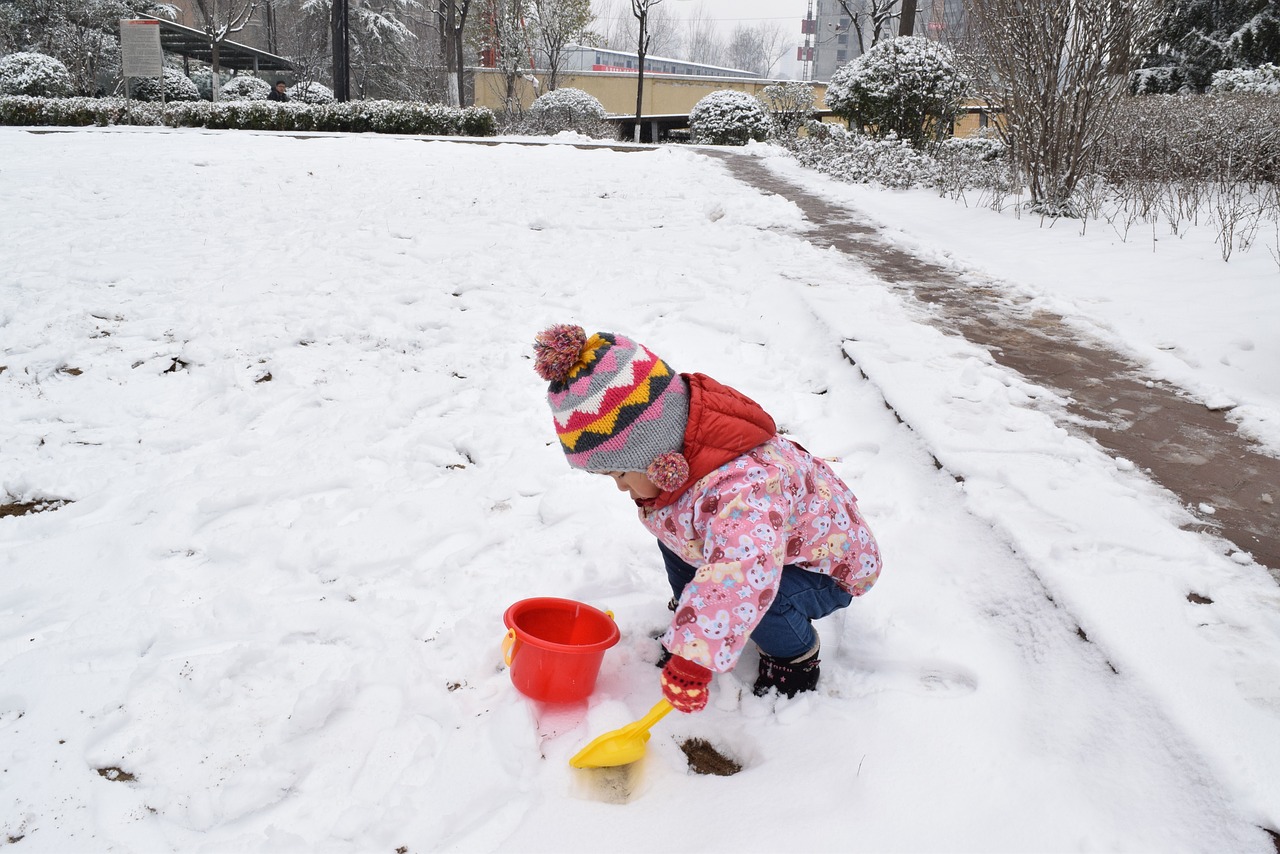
{"x": 657, "y": 713}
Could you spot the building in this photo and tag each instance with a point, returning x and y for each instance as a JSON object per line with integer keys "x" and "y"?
{"x": 579, "y": 58}
{"x": 839, "y": 31}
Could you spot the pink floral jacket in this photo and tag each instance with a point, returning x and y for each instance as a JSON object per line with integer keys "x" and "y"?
{"x": 774, "y": 505}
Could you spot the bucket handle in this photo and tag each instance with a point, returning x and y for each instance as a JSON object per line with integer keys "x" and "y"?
{"x": 510, "y": 646}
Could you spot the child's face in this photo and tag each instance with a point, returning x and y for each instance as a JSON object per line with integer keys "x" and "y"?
{"x": 635, "y": 483}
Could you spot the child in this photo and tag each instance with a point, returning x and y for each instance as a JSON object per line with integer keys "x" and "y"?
{"x": 759, "y": 537}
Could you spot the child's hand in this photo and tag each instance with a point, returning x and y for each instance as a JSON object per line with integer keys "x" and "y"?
{"x": 685, "y": 683}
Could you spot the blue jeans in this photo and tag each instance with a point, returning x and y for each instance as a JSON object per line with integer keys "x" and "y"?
{"x": 785, "y": 630}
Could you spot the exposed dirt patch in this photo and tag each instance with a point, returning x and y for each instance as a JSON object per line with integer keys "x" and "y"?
{"x": 1197, "y": 599}
{"x": 705, "y": 759}
{"x": 25, "y": 508}
{"x": 116, "y": 775}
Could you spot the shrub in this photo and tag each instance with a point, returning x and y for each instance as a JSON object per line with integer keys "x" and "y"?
{"x": 1229, "y": 136}
{"x": 353, "y": 116}
{"x": 310, "y": 92}
{"x": 203, "y": 78}
{"x": 1161, "y": 80}
{"x": 25, "y": 110}
{"x": 790, "y": 105}
{"x": 728, "y": 117}
{"x": 34, "y": 74}
{"x": 176, "y": 88}
{"x": 908, "y": 86}
{"x": 244, "y": 87}
{"x": 568, "y": 110}
{"x": 1263, "y": 80}
{"x": 358, "y": 116}
{"x": 860, "y": 159}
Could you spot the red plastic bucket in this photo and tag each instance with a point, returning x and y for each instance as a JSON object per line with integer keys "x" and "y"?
{"x": 554, "y": 647}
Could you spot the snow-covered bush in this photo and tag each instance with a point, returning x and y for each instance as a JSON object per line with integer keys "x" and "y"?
{"x": 728, "y": 117}
{"x": 860, "y": 159}
{"x": 975, "y": 162}
{"x": 908, "y": 86}
{"x": 76, "y": 112}
{"x": 352, "y": 116}
{"x": 310, "y": 92}
{"x": 203, "y": 78}
{"x": 568, "y": 109}
{"x": 790, "y": 105}
{"x": 176, "y": 87}
{"x": 1162, "y": 80}
{"x": 34, "y": 74}
{"x": 1228, "y": 136}
{"x": 244, "y": 87}
{"x": 1263, "y": 80}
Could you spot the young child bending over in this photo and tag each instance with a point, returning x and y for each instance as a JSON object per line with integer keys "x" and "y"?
{"x": 759, "y": 537}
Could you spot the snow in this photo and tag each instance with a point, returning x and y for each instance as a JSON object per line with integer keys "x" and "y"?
{"x": 310, "y": 465}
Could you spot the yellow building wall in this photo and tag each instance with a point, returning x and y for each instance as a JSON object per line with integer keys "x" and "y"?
{"x": 664, "y": 94}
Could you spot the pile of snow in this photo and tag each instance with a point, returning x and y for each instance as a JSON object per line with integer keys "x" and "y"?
{"x": 308, "y": 465}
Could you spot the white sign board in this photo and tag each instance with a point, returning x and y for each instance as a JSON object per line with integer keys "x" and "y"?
{"x": 140, "y": 51}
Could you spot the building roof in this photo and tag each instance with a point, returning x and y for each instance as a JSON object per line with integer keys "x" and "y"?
{"x": 194, "y": 44}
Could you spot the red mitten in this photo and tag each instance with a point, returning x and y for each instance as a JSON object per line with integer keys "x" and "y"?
{"x": 685, "y": 683}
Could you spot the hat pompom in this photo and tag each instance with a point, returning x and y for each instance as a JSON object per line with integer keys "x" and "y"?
{"x": 668, "y": 471}
{"x": 557, "y": 349}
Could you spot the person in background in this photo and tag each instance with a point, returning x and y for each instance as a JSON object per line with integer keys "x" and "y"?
{"x": 758, "y": 536}
{"x": 277, "y": 92}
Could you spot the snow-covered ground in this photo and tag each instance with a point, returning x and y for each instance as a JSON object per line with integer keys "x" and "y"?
{"x": 286, "y": 385}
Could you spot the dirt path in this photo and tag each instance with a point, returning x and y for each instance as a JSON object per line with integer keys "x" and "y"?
{"x": 1194, "y": 452}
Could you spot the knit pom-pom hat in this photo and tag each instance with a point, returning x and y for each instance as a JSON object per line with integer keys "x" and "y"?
{"x": 616, "y": 406}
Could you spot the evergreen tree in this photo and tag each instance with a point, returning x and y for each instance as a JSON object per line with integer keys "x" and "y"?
{"x": 1200, "y": 37}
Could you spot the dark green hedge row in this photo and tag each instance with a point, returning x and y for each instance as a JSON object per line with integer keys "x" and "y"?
{"x": 353, "y": 116}
{"x": 76, "y": 112}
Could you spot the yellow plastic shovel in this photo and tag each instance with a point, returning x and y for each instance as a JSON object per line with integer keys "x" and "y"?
{"x": 621, "y": 746}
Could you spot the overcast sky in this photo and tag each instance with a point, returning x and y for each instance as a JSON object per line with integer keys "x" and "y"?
{"x": 730, "y": 13}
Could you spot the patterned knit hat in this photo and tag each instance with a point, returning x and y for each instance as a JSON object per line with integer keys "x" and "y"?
{"x": 617, "y": 406}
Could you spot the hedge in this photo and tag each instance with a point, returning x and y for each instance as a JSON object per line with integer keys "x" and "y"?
{"x": 353, "y": 116}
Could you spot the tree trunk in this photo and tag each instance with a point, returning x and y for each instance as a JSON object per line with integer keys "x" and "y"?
{"x": 216, "y": 68}
{"x": 640, "y": 52}
{"x": 907, "y": 26}
{"x": 341, "y": 73}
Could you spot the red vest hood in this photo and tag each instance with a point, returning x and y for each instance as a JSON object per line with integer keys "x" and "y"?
{"x": 723, "y": 424}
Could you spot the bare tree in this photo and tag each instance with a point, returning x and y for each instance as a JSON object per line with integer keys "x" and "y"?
{"x": 871, "y": 20}
{"x": 702, "y": 42}
{"x": 452, "y": 18}
{"x": 757, "y": 48}
{"x": 505, "y": 39}
{"x": 558, "y": 24}
{"x": 221, "y": 19}
{"x": 640, "y": 9}
{"x": 1060, "y": 67}
{"x": 618, "y": 30}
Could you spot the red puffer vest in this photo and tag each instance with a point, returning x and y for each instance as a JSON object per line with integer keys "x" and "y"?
{"x": 723, "y": 424}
